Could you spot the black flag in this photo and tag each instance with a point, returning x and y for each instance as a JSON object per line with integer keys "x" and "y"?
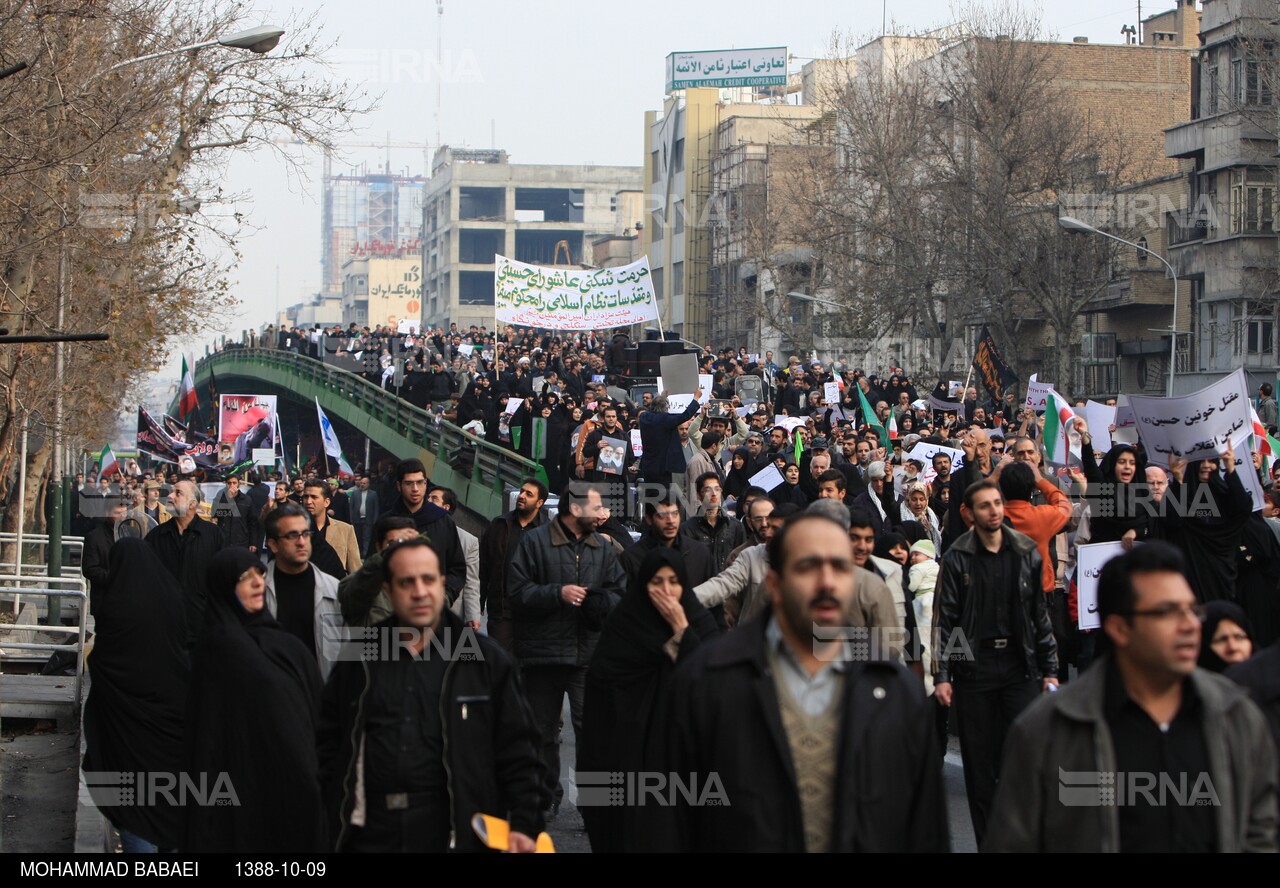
{"x": 996, "y": 375}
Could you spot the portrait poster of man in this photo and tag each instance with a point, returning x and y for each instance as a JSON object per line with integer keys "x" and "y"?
{"x": 612, "y": 456}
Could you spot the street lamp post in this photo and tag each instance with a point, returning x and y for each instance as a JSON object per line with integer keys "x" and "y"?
{"x": 1072, "y": 224}
{"x": 259, "y": 40}
{"x": 256, "y": 40}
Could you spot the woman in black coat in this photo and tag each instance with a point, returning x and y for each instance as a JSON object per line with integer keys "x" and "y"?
{"x": 657, "y": 624}
{"x": 255, "y": 698}
{"x": 1119, "y": 491}
{"x": 1206, "y": 517}
{"x": 133, "y": 719}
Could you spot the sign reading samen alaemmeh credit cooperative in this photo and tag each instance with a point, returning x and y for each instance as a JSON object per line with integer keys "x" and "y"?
{"x": 727, "y": 67}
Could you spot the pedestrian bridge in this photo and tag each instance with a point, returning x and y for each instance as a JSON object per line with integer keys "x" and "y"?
{"x": 390, "y": 422}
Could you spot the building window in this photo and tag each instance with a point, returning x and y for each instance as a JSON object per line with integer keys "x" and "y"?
{"x": 655, "y": 226}
{"x": 1211, "y": 332}
{"x": 1102, "y": 379}
{"x": 677, "y": 223}
{"x": 1142, "y": 251}
{"x": 655, "y": 161}
{"x": 656, "y": 276}
{"x": 1211, "y": 88}
{"x": 1249, "y": 85}
{"x": 1260, "y": 337}
{"x": 677, "y": 158}
{"x": 1253, "y": 194}
{"x": 677, "y": 280}
{"x": 1254, "y": 331}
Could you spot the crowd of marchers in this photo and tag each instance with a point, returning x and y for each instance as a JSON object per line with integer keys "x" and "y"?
{"x": 753, "y": 659}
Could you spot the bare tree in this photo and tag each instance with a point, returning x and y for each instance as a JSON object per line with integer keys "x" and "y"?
{"x": 97, "y": 167}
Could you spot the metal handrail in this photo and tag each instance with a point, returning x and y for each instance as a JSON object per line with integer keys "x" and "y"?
{"x": 81, "y": 628}
{"x": 40, "y": 538}
{"x": 409, "y": 421}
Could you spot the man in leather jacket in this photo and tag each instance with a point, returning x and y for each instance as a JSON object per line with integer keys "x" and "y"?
{"x": 425, "y": 727}
{"x": 996, "y": 650}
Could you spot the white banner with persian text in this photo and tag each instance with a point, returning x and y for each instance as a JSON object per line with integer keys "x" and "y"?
{"x": 1196, "y": 426}
{"x": 573, "y": 299}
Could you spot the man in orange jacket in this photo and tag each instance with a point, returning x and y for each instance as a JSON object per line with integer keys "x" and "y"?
{"x": 1018, "y": 481}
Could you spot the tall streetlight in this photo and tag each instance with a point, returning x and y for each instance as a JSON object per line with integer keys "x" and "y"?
{"x": 1072, "y": 224}
{"x": 259, "y": 40}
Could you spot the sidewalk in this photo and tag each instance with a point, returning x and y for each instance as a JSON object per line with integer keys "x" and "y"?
{"x": 39, "y": 779}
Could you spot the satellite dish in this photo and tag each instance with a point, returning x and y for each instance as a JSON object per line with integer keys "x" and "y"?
{"x": 135, "y": 525}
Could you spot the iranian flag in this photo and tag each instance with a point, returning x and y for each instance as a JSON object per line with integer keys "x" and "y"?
{"x": 1059, "y": 419}
{"x": 107, "y": 464}
{"x": 187, "y": 403}
{"x": 893, "y": 427}
{"x": 1264, "y": 443}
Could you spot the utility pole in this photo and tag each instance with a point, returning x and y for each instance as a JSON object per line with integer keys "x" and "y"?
{"x": 439, "y": 65}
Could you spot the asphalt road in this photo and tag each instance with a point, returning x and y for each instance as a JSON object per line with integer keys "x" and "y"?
{"x": 39, "y": 776}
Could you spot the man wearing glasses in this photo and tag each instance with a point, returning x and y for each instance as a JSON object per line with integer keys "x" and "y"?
{"x": 1144, "y": 752}
{"x": 302, "y": 598}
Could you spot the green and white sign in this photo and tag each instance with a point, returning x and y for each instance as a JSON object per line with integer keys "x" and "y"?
{"x": 765, "y": 66}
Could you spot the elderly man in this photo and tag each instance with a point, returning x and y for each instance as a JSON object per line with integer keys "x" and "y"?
{"x": 979, "y": 463}
{"x": 185, "y": 546}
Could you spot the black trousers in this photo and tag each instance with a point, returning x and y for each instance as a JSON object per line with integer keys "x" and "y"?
{"x": 545, "y": 688}
{"x": 503, "y": 631}
{"x": 987, "y": 699}
{"x": 415, "y": 830}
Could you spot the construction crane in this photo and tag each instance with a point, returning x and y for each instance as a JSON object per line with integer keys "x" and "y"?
{"x": 424, "y": 147}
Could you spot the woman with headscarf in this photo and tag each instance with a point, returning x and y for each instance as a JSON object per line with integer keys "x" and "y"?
{"x": 1225, "y": 639}
{"x": 133, "y": 719}
{"x": 1118, "y": 492}
{"x": 915, "y": 507}
{"x": 1258, "y": 581}
{"x": 255, "y": 698}
{"x": 1205, "y": 517}
{"x": 656, "y": 625}
{"x": 738, "y": 479}
{"x": 893, "y": 547}
{"x": 789, "y": 491}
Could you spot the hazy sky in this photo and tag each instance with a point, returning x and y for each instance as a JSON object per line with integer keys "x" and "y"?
{"x": 559, "y": 81}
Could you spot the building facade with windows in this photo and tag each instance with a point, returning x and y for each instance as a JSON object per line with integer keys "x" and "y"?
{"x": 1224, "y": 244}
{"x": 376, "y": 215}
{"x": 478, "y": 205}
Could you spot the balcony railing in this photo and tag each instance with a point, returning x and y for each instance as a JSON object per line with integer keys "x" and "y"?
{"x": 1179, "y": 233}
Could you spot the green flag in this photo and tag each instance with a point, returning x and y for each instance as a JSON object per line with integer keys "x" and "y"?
{"x": 799, "y": 446}
{"x": 869, "y": 415}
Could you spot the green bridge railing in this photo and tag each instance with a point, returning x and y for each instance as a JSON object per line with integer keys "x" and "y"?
{"x": 394, "y": 424}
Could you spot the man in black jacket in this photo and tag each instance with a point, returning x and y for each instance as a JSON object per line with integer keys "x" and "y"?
{"x": 711, "y": 526}
{"x": 185, "y": 545}
{"x": 432, "y": 522}
{"x": 233, "y": 512}
{"x": 429, "y": 731}
{"x": 497, "y": 546}
{"x": 662, "y": 518}
{"x": 804, "y": 746}
{"x": 564, "y": 582}
{"x": 995, "y": 651}
{"x": 97, "y": 551}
